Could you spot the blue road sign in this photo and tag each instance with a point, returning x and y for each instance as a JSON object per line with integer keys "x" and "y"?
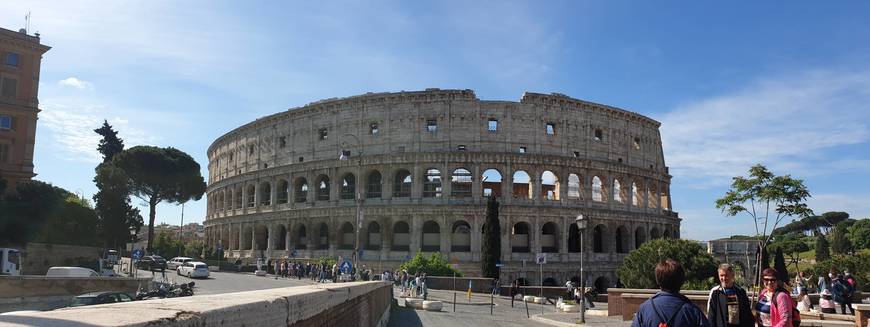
{"x": 137, "y": 254}
{"x": 220, "y": 247}
{"x": 360, "y": 253}
{"x": 346, "y": 267}
{"x": 293, "y": 254}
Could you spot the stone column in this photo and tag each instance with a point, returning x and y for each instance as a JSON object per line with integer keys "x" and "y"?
{"x": 253, "y": 236}
{"x": 416, "y": 234}
{"x": 506, "y": 250}
{"x": 417, "y": 175}
{"x": 241, "y": 239}
{"x": 476, "y": 236}
{"x": 476, "y": 183}
{"x": 563, "y": 236}
{"x": 507, "y": 184}
{"x": 386, "y": 238}
{"x": 269, "y": 237}
{"x": 536, "y": 235}
{"x": 446, "y": 236}
{"x": 535, "y": 181}
{"x": 288, "y": 233}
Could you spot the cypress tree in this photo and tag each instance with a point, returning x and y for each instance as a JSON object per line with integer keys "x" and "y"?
{"x": 110, "y": 144}
{"x": 115, "y": 215}
{"x": 779, "y": 265}
{"x": 491, "y": 251}
{"x": 823, "y": 251}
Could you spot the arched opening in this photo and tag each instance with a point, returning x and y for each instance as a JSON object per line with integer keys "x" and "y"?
{"x": 221, "y": 203}
{"x": 622, "y": 241}
{"x": 373, "y": 239}
{"x": 522, "y": 282}
{"x": 374, "y": 187}
{"x": 491, "y": 183}
{"x": 652, "y": 198}
{"x": 639, "y": 237}
{"x": 347, "y": 238}
{"x": 520, "y": 238}
{"x": 550, "y": 186}
{"x": 323, "y": 237}
{"x": 574, "y": 186}
{"x": 283, "y": 191}
{"x": 654, "y": 234}
{"x": 401, "y": 236}
{"x": 521, "y": 185}
{"x": 617, "y": 191}
{"x": 251, "y": 195}
{"x": 432, "y": 183}
{"x": 229, "y": 199}
{"x": 348, "y": 187}
{"x": 601, "y": 285}
{"x": 323, "y": 188}
{"x": 238, "y": 195}
{"x": 261, "y": 235}
{"x": 666, "y": 233}
{"x": 550, "y": 281}
{"x": 281, "y": 237}
{"x": 402, "y": 184}
{"x": 636, "y": 196}
{"x": 301, "y": 190}
{"x": 460, "y": 183}
{"x": 265, "y": 194}
{"x": 461, "y": 237}
{"x": 548, "y": 238}
{"x": 431, "y": 237}
{"x": 598, "y": 239}
{"x": 301, "y": 237}
{"x": 573, "y": 238}
{"x": 597, "y": 189}
{"x": 665, "y": 200}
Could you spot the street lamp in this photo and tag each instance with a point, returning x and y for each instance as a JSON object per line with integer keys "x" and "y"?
{"x": 345, "y": 156}
{"x": 581, "y": 226}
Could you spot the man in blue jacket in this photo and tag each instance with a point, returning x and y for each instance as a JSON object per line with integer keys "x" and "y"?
{"x": 669, "y": 307}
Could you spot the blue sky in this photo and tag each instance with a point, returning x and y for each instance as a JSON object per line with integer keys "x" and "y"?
{"x": 733, "y": 85}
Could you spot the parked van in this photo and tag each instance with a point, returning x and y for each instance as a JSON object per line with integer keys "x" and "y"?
{"x": 10, "y": 262}
{"x": 71, "y": 272}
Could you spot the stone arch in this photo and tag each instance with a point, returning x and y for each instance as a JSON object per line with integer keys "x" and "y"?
{"x": 520, "y": 238}
{"x": 598, "y": 190}
{"x": 622, "y": 240}
{"x": 300, "y": 190}
{"x": 573, "y": 238}
{"x": 348, "y": 187}
{"x": 432, "y": 183}
{"x": 550, "y": 281}
{"x": 374, "y": 185}
{"x": 550, "y": 186}
{"x": 261, "y": 237}
{"x": 460, "y": 236}
{"x": 347, "y": 236}
{"x": 221, "y": 199}
{"x": 574, "y": 186}
{"x": 322, "y": 237}
{"x": 251, "y": 193}
{"x": 431, "y": 237}
{"x": 602, "y": 283}
{"x": 238, "y": 197}
{"x": 550, "y": 238}
{"x": 491, "y": 183}
{"x": 522, "y": 185}
{"x": 618, "y": 192}
{"x": 599, "y": 235}
{"x": 283, "y": 191}
{"x": 639, "y": 237}
{"x": 654, "y": 234}
{"x": 301, "y": 235}
{"x": 265, "y": 194}
{"x": 282, "y": 237}
{"x": 322, "y": 192}
{"x": 402, "y": 184}
{"x": 401, "y": 236}
{"x": 373, "y": 239}
{"x": 460, "y": 183}
{"x": 247, "y": 232}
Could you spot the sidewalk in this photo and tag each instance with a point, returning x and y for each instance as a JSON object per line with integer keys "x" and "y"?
{"x": 572, "y": 319}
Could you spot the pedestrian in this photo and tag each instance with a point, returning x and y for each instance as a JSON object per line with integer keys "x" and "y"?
{"x": 495, "y": 287}
{"x": 800, "y": 283}
{"x": 417, "y": 282}
{"x": 728, "y": 304}
{"x": 515, "y": 289}
{"x": 826, "y": 302}
{"x": 423, "y": 286}
{"x": 842, "y": 291}
{"x": 804, "y": 304}
{"x": 775, "y": 306}
{"x": 668, "y": 307}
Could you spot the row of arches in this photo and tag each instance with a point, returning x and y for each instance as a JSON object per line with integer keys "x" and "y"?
{"x": 461, "y": 183}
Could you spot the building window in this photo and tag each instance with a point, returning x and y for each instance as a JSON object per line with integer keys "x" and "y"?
{"x": 576, "y": 154}
{"x": 599, "y": 135}
{"x": 5, "y": 122}
{"x": 301, "y": 159}
{"x": 637, "y": 143}
{"x": 522, "y": 149}
{"x": 250, "y": 149}
{"x": 323, "y": 133}
{"x": 4, "y": 153}
{"x": 460, "y": 147}
{"x": 11, "y": 59}
{"x": 493, "y": 125}
{"x": 373, "y": 128}
{"x": 431, "y": 125}
{"x": 282, "y": 142}
{"x": 551, "y": 129}
{"x": 231, "y": 156}
{"x": 10, "y": 87}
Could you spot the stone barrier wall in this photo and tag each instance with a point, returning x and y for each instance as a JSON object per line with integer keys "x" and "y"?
{"x": 344, "y": 304}
{"x": 47, "y": 293}
{"x": 36, "y": 258}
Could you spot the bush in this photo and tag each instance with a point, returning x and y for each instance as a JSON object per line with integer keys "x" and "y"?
{"x": 638, "y": 268}
{"x": 435, "y": 265}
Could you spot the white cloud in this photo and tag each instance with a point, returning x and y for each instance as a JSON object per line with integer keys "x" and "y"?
{"x": 789, "y": 122}
{"x": 76, "y": 83}
{"x": 857, "y": 205}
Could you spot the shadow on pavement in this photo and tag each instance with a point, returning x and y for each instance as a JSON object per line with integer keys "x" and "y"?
{"x": 402, "y": 316}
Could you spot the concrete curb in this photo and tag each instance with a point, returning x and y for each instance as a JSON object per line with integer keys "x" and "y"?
{"x": 552, "y": 322}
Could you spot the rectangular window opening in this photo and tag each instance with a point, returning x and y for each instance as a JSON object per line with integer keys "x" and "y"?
{"x": 282, "y": 142}
{"x": 493, "y": 125}
{"x": 551, "y": 129}
{"x": 373, "y": 128}
{"x": 5, "y": 122}
{"x": 323, "y": 133}
{"x": 301, "y": 159}
{"x": 576, "y": 154}
{"x": 460, "y": 147}
{"x": 431, "y": 125}
{"x": 12, "y": 59}
{"x": 522, "y": 149}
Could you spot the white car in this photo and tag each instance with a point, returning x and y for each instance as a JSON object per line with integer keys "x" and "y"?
{"x": 193, "y": 269}
{"x": 176, "y": 262}
{"x": 71, "y": 272}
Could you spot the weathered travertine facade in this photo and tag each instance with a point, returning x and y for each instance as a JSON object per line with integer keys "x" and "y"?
{"x": 423, "y": 164}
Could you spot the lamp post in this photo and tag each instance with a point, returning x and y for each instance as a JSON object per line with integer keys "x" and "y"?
{"x": 581, "y": 226}
{"x": 345, "y": 155}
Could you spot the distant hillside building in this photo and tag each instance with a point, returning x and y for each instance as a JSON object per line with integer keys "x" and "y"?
{"x": 20, "y": 59}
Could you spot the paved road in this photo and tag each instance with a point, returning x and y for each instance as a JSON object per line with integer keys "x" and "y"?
{"x": 465, "y": 315}
{"x": 227, "y": 282}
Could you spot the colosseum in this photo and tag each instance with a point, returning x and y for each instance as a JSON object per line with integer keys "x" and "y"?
{"x": 418, "y": 167}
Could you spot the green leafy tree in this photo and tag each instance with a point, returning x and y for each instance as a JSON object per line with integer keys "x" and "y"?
{"x": 491, "y": 251}
{"x": 638, "y": 268}
{"x": 779, "y": 264}
{"x": 859, "y": 234}
{"x": 840, "y": 243}
{"x": 767, "y": 199}
{"x": 160, "y": 174}
{"x": 435, "y": 265}
{"x": 823, "y": 251}
{"x": 39, "y": 211}
{"x": 858, "y": 265}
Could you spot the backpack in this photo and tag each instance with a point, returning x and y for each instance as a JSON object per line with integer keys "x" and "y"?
{"x": 662, "y": 321}
{"x": 795, "y": 314}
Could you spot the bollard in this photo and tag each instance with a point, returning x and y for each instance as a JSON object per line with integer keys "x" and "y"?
{"x": 527, "y": 308}
{"x": 454, "y": 302}
{"x": 491, "y": 302}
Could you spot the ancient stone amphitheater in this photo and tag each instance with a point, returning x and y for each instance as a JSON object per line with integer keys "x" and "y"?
{"x": 419, "y": 167}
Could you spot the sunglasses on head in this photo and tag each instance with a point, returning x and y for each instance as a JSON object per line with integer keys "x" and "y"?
{"x": 770, "y": 279}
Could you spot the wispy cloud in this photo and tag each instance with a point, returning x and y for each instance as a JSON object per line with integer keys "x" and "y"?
{"x": 791, "y": 122}
{"x": 76, "y": 83}
{"x": 857, "y": 205}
